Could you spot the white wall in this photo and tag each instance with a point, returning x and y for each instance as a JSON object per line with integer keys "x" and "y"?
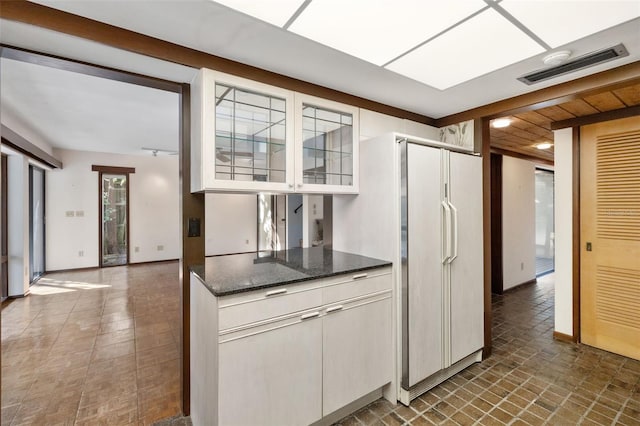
{"x": 563, "y": 148}
{"x": 72, "y": 242}
{"x": 373, "y": 124}
{"x": 230, "y": 223}
{"x": 518, "y": 221}
{"x": 18, "y": 224}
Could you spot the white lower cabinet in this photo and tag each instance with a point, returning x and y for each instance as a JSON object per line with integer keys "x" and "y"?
{"x": 356, "y": 351}
{"x": 299, "y": 366}
{"x": 272, "y": 377}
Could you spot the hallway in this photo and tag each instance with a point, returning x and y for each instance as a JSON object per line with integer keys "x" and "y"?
{"x": 93, "y": 346}
{"x": 530, "y": 379}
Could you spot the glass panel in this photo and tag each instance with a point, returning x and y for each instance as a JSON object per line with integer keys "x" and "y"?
{"x": 268, "y": 214}
{"x": 545, "y": 235}
{"x": 36, "y": 223}
{"x": 327, "y": 146}
{"x": 250, "y": 135}
{"x": 114, "y": 220}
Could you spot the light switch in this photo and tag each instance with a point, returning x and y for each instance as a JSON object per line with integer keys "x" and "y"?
{"x": 79, "y": 213}
{"x": 69, "y": 213}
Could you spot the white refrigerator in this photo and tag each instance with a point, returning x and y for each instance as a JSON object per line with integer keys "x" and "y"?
{"x": 420, "y": 206}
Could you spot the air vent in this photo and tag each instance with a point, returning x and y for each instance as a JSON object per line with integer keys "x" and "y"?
{"x": 581, "y": 62}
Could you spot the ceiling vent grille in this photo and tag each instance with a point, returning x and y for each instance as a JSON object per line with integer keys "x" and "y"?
{"x": 581, "y": 62}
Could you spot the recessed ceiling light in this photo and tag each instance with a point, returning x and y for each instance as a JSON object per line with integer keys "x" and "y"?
{"x": 544, "y": 145}
{"x": 499, "y": 123}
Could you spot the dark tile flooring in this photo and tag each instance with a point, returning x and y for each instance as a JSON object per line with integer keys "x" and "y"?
{"x": 530, "y": 379}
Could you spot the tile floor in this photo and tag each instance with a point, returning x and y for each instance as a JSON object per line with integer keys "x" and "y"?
{"x": 529, "y": 380}
{"x": 93, "y": 347}
{"x": 122, "y": 325}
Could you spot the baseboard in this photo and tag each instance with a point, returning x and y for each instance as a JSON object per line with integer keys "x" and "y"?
{"x": 517, "y": 286}
{"x": 90, "y": 268}
{"x": 563, "y": 337}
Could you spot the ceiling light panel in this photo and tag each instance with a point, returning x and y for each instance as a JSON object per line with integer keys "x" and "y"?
{"x": 276, "y": 12}
{"x": 480, "y": 45}
{"x": 559, "y": 22}
{"x": 379, "y": 30}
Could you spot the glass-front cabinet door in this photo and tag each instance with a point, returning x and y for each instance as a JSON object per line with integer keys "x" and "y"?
{"x": 243, "y": 135}
{"x": 327, "y": 136}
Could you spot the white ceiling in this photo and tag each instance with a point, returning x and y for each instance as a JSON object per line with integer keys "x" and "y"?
{"x": 81, "y": 112}
{"x": 446, "y": 52}
{"x": 485, "y": 51}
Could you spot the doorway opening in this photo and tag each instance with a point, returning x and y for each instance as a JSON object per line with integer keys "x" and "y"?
{"x": 4, "y": 246}
{"x": 114, "y": 219}
{"x": 545, "y": 231}
{"x": 36, "y": 223}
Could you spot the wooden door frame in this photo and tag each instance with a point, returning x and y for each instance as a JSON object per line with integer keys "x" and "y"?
{"x": 191, "y": 204}
{"x": 111, "y": 170}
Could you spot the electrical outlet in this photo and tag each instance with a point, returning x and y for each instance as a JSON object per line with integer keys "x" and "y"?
{"x": 522, "y": 266}
{"x": 69, "y": 213}
{"x": 81, "y": 253}
{"x": 136, "y": 249}
{"x": 246, "y": 241}
{"x": 160, "y": 247}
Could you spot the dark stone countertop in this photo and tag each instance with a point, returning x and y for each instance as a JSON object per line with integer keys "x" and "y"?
{"x": 236, "y": 273}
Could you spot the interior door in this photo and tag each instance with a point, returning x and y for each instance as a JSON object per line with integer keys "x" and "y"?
{"x": 423, "y": 299}
{"x": 467, "y": 276}
{"x": 610, "y": 236}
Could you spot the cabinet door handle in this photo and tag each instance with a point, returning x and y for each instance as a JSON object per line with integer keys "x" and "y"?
{"x": 334, "y": 309}
{"x": 290, "y": 185}
{"x": 357, "y": 276}
{"x": 275, "y": 292}
{"x": 309, "y": 316}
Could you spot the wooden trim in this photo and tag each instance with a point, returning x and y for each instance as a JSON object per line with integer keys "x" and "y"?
{"x": 612, "y": 79}
{"x": 576, "y": 233}
{"x": 32, "y": 57}
{"x": 113, "y": 169}
{"x": 497, "y": 284}
{"x": 531, "y": 158}
{"x": 193, "y": 248}
{"x": 78, "y": 26}
{"x": 596, "y": 118}
{"x": 563, "y": 337}
{"x": 19, "y": 143}
{"x": 486, "y": 231}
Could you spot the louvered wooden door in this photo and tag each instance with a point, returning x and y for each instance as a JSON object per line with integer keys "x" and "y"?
{"x": 610, "y": 236}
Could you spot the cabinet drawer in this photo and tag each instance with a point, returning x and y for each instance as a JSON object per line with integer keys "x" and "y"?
{"x": 268, "y": 303}
{"x": 358, "y": 284}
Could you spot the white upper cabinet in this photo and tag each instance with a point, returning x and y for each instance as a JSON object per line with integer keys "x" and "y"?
{"x": 253, "y": 137}
{"x": 241, "y": 135}
{"x": 327, "y": 141}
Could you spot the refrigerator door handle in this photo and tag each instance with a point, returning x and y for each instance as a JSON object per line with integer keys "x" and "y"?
{"x": 446, "y": 232}
{"x": 454, "y": 235}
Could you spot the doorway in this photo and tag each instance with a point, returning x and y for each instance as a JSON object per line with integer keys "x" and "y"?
{"x": 36, "y": 223}
{"x": 545, "y": 233}
{"x": 114, "y": 219}
{"x": 4, "y": 246}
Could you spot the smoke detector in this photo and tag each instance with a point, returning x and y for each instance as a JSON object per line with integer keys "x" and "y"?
{"x": 557, "y": 58}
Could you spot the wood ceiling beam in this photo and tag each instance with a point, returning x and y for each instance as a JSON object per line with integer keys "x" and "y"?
{"x": 120, "y": 38}
{"x": 596, "y": 118}
{"x": 609, "y": 80}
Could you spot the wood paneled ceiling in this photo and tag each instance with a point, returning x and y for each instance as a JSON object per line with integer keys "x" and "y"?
{"x": 528, "y": 129}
